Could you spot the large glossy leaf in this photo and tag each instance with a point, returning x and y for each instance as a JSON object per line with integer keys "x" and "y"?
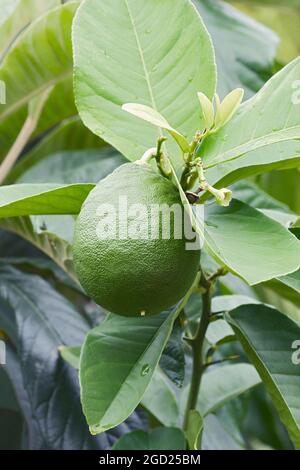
{"x": 18, "y": 14}
{"x": 40, "y": 58}
{"x": 55, "y": 110}
{"x": 158, "y": 439}
{"x": 268, "y": 337}
{"x": 238, "y": 237}
{"x": 38, "y": 320}
{"x": 245, "y": 50}
{"x": 224, "y": 384}
{"x": 41, "y": 46}
{"x": 117, "y": 363}
{"x": 30, "y": 199}
{"x": 157, "y": 53}
{"x": 250, "y": 244}
{"x": 159, "y": 398}
{"x": 271, "y": 118}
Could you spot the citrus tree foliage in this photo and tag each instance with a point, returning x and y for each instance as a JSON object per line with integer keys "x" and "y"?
{"x": 89, "y": 86}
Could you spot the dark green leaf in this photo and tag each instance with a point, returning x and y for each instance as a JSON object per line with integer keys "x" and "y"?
{"x": 30, "y": 199}
{"x": 172, "y": 360}
{"x": 268, "y": 338}
{"x": 158, "y": 439}
{"x": 38, "y": 320}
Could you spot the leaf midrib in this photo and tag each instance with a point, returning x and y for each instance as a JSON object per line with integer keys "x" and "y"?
{"x": 141, "y": 53}
{"x": 132, "y": 369}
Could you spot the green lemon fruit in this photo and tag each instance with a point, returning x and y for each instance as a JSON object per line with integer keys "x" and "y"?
{"x": 124, "y": 259}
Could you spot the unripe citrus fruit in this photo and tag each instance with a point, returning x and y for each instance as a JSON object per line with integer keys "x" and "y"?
{"x": 132, "y": 276}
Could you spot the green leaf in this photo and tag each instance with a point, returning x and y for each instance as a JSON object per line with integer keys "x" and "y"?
{"x": 207, "y": 110}
{"x": 272, "y": 355}
{"x": 29, "y": 199}
{"x": 112, "y": 385}
{"x": 38, "y": 320}
{"x": 27, "y": 70}
{"x": 268, "y": 118}
{"x": 250, "y": 244}
{"x": 251, "y": 256}
{"x": 245, "y": 49}
{"x": 283, "y": 155}
{"x": 194, "y": 430}
{"x": 140, "y": 59}
{"x": 69, "y": 135}
{"x": 253, "y": 195}
{"x": 158, "y": 439}
{"x": 40, "y": 265}
{"x": 55, "y": 110}
{"x": 225, "y": 303}
{"x": 18, "y": 14}
{"x": 228, "y": 107}
{"x": 58, "y": 249}
{"x": 172, "y": 360}
{"x": 151, "y": 115}
{"x": 224, "y": 384}
{"x": 113, "y": 379}
{"x": 292, "y": 280}
{"x": 219, "y": 332}
{"x": 67, "y": 167}
{"x": 234, "y": 416}
{"x": 216, "y": 436}
{"x": 160, "y": 400}
{"x": 54, "y": 57}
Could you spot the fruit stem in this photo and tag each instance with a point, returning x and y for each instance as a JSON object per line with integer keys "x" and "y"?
{"x": 197, "y": 348}
{"x": 147, "y": 157}
{"x": 161, "y": 160}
